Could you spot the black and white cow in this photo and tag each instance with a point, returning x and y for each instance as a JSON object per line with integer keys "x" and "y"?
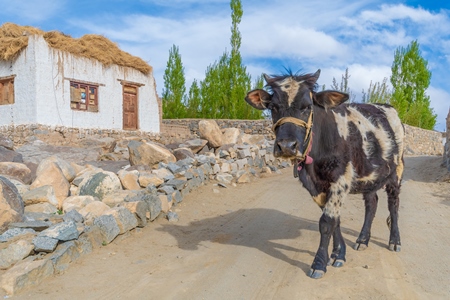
{"x": 338, "y": 149}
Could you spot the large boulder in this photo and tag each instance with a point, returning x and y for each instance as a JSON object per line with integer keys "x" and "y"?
{"x": 10, "y": 155}
{"x": 17, "y": 171}
{"x": 54, "y": 176}
{"x": 100, "y": 184}
{"x": 11, "y": 204}
{"x": 67, "y": 169}
{"x": 149, "y": 153}
{"x": 210, "y": 131}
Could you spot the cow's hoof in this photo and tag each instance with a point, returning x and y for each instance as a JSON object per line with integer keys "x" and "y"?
{"x": 360, "y": 247}
{"x": 337, "y": 263}
{"x": 316, "y": 274}
{"x": 394, "y": 247}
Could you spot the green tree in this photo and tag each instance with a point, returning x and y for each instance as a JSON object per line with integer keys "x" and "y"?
{"x": 194, "y": 101}
{"x": 377, "y": 93}
{"x": 410, "y": 78}
{"x": 343, "y": 85}
{"x": 174, "y": 90}
{"x": 226, "y": 81}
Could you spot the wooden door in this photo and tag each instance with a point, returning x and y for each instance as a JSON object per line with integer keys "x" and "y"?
{"x": 130, "y": 108}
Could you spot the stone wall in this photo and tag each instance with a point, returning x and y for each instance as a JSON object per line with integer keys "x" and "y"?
{"x": 418, "y": 141}
{"x": 447, "y": 144}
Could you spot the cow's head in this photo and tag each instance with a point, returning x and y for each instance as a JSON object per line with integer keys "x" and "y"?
{"x": 290, "y": 100}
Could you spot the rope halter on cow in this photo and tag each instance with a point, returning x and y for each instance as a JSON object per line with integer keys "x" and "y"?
{"x": 301, "y": 158}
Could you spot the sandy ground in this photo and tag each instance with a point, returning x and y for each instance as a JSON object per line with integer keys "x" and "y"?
{"x": 257, "y": 241}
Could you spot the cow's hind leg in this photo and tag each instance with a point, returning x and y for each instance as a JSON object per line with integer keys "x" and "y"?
{"x": 337, "y": 258}
{"x": 371, "y": 203}
{"x": 393, "y": 190}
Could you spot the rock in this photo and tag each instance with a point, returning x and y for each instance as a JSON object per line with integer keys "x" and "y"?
{"x": 93, "y": 210}
{"x": 195, "y": 145}
{"x": 26, "y": 274}
{"x": 54, "y": 176}
{"x": 14, "y": 252}
{"x": 117, "y": 197}
{"x": 139, "y": 209}
{"x": 176, "y": 183}
{"x": 163, "y": 173}
{"x": 251, "y": 139}
{"x": 43, "y": 194}
{"x": 64, "y": 231}
{"x": 100, "y": 184}
{"x": 182, "y": 153}
{"x": 210, "y": 131}
{"x": 65, "y": 254}
{"x": 6, "y": 142}
{"x": 33, "y": 225}
{"x": 172, "y": 216}
{"x": 230, "y": 135}
{"x": 76, "y": 202}
{"x": 129, "y": 179}
{"x": 17, "y": 171}
{"x": 243, "y": 177}
{"x": 73, "y": 216}
{"x": 150, "y": 197}
{"x": 108, "y": 227}
{"x": 166, "y": 203}
{"x": 147, "y": 178}
{"x": 21, "y": 187}
{"x": 8, "y": 155}
{"x": 106, "y": 144}
{"x": 11, "y": 204}
{"x": 37, "y": 151}
{"x": 46, "y": 208}
{"x": 224, "y": 178}
{"x": 66, "y": 168}
{"x": 149, "y": 153}
{"x": 124, "y": 218}
{"x": 44, "y": 244}
{"x": 15, "y": 232}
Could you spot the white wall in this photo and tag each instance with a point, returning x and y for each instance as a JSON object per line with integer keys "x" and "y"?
{"x": 51, "y": 94}
{"x": 23, "y": 111}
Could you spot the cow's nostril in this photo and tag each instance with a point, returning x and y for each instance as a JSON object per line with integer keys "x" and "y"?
{"x": 287, "y": 147}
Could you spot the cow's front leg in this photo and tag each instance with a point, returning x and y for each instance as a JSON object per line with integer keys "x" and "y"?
{"x": 337, "y": 258}
{"x": 327, "y": 225}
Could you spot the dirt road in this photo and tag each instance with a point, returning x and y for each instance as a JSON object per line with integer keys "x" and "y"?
{"x": 257, "y": 241}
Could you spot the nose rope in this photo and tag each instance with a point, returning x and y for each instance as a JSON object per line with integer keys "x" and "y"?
{"x": 301, "y": 157}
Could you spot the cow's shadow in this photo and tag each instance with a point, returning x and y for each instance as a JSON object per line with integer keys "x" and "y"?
{"x": 259, "y": 228}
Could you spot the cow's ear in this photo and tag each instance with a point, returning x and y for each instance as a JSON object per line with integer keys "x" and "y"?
{"x": 258, "y": 99}
{"x": 330, "y": 99}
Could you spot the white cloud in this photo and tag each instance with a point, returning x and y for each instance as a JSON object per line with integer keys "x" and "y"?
{"x": 440, "y": 101}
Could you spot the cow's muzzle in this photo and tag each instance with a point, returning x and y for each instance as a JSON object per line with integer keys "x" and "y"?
{"x": 290, "y": 148}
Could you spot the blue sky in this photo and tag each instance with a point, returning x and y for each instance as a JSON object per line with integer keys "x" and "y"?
{"x": 361, "y": 35}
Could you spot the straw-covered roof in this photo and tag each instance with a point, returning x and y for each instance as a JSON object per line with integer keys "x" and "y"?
{"x": 14, "y": 38}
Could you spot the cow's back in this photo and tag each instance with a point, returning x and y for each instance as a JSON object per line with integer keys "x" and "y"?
{"x": 375, "y": 140}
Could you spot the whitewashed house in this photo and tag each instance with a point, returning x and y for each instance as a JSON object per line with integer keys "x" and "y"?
{"x": 44, "y": 85}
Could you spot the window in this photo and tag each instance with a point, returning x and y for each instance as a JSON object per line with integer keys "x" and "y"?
{"x": 83, "y": 96}
{"x": 6, "y": 90}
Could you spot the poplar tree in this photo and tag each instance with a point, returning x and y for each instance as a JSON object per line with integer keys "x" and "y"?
{"x": 226, "y": 81}
{"x": 410, "y": 78}
{"x": 377, "y": 92}
{"x": 173, "y": 95}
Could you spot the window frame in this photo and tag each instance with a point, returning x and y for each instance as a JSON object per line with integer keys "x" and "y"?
{"x": 90, "y": 90}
